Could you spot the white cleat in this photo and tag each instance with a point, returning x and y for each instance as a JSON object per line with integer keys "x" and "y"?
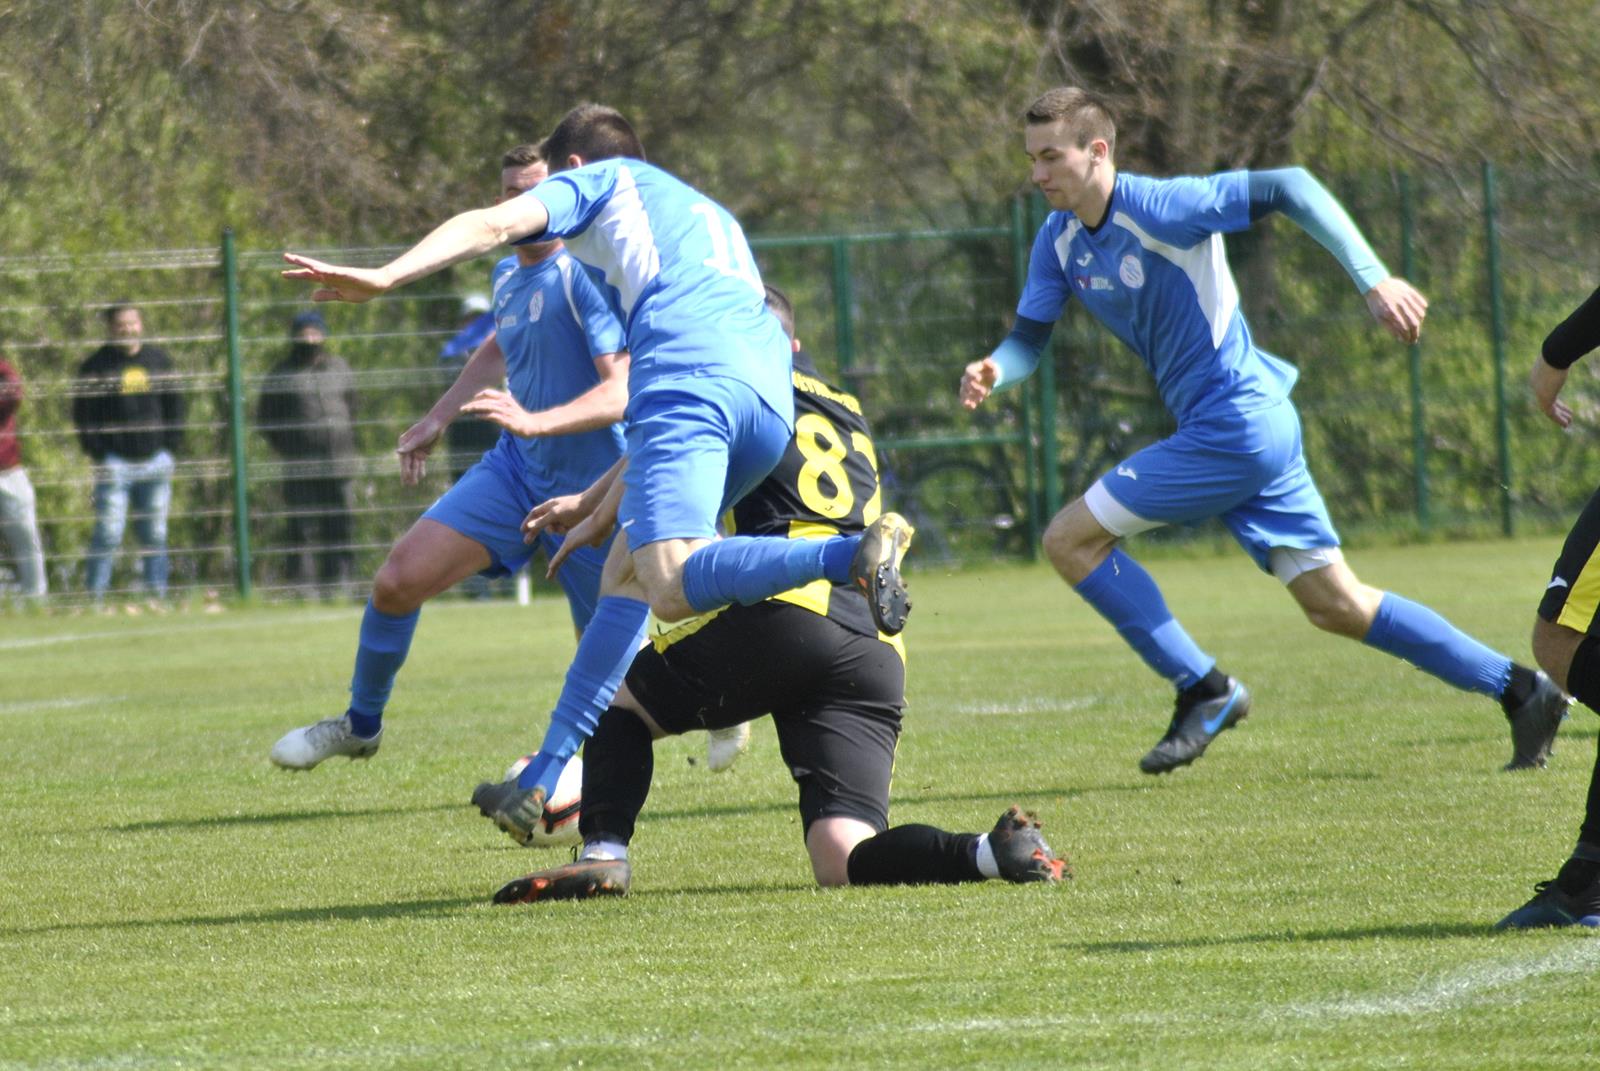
{"x": 724, "y": 746}
{"x": 303, "y": 748}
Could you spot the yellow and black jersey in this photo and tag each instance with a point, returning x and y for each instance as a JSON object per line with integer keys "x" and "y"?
{"x": 825, "y": 484}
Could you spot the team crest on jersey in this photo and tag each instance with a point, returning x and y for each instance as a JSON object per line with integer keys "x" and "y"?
{"x": 536, "y": 307}
{"x": 1132, "y": 271}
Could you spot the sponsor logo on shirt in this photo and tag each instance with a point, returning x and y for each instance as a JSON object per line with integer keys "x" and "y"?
{"x": 1100, "y": 282}
{"x": 506, "y": 322}
{"x": 1132, "y": 271}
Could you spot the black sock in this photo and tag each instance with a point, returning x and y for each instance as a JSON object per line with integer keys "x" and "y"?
{"x": 1518, "y": 689}
{"x": 1210, "y": 686}
{"x": 914, "y": 855}
{"x": 1577, "y": 875}
{"x": 618, "y": 761}
{"x": 1589, "y": 833}
{"x": 1583, "y": 675}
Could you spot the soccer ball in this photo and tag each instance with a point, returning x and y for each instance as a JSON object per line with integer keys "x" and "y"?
{"x": 559, "y": 824}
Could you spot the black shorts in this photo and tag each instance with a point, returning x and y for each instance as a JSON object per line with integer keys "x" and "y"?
{"x": 835, "y": 698}
{"x": 1572, "y": 598}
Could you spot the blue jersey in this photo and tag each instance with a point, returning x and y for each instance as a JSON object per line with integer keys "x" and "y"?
{"x": 682, "y": 275}
{"x": 551, "y": 322}
{"x": 1155, "y": 272}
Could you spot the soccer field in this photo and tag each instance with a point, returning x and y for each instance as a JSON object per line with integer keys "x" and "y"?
{"x": 1316, "y": 891}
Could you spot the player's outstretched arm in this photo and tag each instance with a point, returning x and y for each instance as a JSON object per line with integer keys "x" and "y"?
{"x": 458, "y": 238}
{"x": 486, "y": 365}
{"x": 1547, "y": 383}
{"x": 978, "y": 382}
{"x": 1573, "y": 339}
{"x": 591, "y": 531}
{"x": 600, "y": 406}
{"x": 1399, "y": 307}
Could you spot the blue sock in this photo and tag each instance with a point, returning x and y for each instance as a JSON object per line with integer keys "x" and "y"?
{"x": 381, "y": 651}
{"x": 605, "y": 651}
{"x": 1415, "y": 633}
{"x": 748, "y": 569}
{"x": 1127, "y": 597}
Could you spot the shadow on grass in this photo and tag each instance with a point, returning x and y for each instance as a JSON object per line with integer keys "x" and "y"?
{"x": 1422, "y": 931}
{"x": 221, "y": 821}
{"x": 440, "y": 908}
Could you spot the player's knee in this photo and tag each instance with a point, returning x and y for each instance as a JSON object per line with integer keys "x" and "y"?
{"x": 393, "y": 590}
{"x": 1553, "y": 649}
{"x": 1072, "y": 558}
{"x": 1340, "y": 616}
{"x": 669, "y": 605}
{"x": 830, "y": 865}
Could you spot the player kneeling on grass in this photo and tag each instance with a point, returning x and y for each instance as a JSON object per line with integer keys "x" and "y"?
{"x": 815, "y": 660}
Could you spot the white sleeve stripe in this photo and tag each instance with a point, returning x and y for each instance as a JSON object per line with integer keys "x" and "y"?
{"x": 565, "y": 264}
{"x": 1206, "y": 265}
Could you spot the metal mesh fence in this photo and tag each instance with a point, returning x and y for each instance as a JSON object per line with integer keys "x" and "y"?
{"x": 1441, "y": 439}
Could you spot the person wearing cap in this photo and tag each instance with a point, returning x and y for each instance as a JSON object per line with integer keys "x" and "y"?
{"x": 128, "y": 412}
{"x": 307, "y": 411}
{"x": 468, "y": 436}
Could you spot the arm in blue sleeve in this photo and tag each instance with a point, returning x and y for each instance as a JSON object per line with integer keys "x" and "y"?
{"x": 1018, "y": 353}
{"x": 1292, "y": 191}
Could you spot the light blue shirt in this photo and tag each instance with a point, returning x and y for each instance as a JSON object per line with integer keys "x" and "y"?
{"x": 681, "y": 273}
{"x": 1156, "y": 273}
{"x": 551, "y": 322}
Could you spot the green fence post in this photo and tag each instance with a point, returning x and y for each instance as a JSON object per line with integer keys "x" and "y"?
{"x": 1497, "y": 321}
{"x": 1419, "y": 435}
{"x": 241, "y": 497}
{"x": 1031, "y": 446}
{"x": 844, "y": 334}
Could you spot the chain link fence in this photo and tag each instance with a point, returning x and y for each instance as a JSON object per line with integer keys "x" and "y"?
{"x": 1438, "y": 439}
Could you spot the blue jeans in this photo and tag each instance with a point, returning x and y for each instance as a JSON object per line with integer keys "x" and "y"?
{"x": 145, "y": 488}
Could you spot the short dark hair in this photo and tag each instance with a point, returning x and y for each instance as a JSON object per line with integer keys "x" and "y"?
{"x": 782, "y": 308}
{"x": 524, "y": 155}
{"x": 109, "y": 313}
{"x": 592, "y": 132}
{"x": 1086, "y": 115}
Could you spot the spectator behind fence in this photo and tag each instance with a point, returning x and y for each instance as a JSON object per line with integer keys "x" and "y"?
{"x": 128, "y": 412}
{"x": 468, "y": 436}
{"x": 307, "y": 411}
{"x": 19, "y": 524}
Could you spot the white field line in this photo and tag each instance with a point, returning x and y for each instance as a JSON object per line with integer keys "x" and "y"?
{"x": 1030, "y": 705}
{"x": 1472, "y": 985}
{"x": 174, "y": 628}
{"x": 29, "y": 706}
{"x": 1477, "y": 984}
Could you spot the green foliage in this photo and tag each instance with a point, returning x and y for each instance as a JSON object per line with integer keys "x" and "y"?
{"x": 1317, "y": 890}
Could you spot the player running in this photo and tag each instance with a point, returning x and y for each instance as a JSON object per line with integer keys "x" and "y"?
{"x": 814, "y": 658}
{"x": 1145, "y": 256}
{"x": 560, "y": 345}
{"x": 1566, "y": 637}
{"x": 710, "y": 410}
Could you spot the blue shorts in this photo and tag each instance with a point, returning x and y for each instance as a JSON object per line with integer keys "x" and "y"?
{"x": 1245, "y": 468}
{"x": 488, "y": 504}
{"x": 694, "y": 449}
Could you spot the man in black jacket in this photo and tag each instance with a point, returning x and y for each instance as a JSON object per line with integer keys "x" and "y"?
{"x": 307, "y": 411}
{"x": 128, "y": 412}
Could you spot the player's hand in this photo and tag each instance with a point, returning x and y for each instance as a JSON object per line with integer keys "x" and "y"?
{"x": 1399, "y": 307}
{"x": 499, "y": 407}
{"x": 557, "y": 516}
{"x": 589, "y": 532}
{"x": 978, "y": 381}
{"x": 1547, "y": 382}
{"x": 338, "y": 283}
{"x": 416, "y": 443}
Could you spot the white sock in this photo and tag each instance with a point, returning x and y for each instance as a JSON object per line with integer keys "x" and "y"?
{"x": 615, "y": 849}
{"x": 986, "y": 864}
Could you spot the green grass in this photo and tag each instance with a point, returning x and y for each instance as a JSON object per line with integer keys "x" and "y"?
{"x": 1317, "y": 891}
